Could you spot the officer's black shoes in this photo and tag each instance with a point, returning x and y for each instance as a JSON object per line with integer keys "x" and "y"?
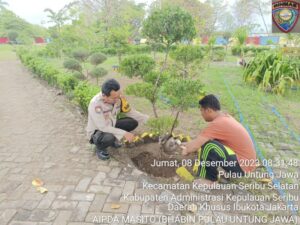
{"x": 102, "y": 154}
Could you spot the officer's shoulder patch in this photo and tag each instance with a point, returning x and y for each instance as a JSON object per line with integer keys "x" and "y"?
{"x": 98, "y": 109}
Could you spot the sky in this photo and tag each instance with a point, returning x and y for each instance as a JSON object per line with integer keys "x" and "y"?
{"x": 33, "y": 10}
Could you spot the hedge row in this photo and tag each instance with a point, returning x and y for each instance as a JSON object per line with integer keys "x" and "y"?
{"x": 79, "y": 91}
{"x": 236, "y": 50}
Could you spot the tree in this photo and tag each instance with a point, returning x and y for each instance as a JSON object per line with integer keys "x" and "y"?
{"x": 61, "y": 16}
{"x": 142, "y": 66}
{"x": 81, "y": 55}
{"x": 98, "y": 72}
{"x": 137, "y": 65}
{"x": 186, "y": 55}
{"x": 246, "y": 10}
{"x": 13, "y": 35}
{"x": 202, "y": 13}
{"x": 58, "y": 19}
{"x": 169, "y": 26}
{"x": 110, "y": 14}
{"x": 182, "y": 93}
{"x": 118, "y": 38}
{"x": 72, "y": 65}
{"x": 26, "y": 32}
{"x": 96, "y": 59}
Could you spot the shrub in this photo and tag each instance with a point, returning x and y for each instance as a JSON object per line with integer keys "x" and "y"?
{"x": 219, "y": 55}
{"x": 137, "y": 65}
{"x": 80, "y": 54}
{"x": 98, "y": 72}
{"x": 73, "y": 65}
{"x": 78, "y": 75}
{"x": 83, "y": 94}
{"x": 66, "y": 82}
{"x": 272, "y": 72}
{"x": 97, "y": 58}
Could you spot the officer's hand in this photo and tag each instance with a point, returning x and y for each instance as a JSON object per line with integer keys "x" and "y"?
{"x": 129, "y": 137}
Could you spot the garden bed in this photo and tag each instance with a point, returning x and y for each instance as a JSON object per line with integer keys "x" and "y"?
{"x": 149, "y": 158}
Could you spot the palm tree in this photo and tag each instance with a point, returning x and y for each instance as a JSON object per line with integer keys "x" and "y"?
{"x": 59, "y": 18}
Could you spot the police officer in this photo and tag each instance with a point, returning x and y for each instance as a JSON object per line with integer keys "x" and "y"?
{"x": 103, "y": 128}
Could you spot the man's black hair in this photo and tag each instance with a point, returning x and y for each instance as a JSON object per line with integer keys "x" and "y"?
{"x": 110, "y": 85}
{"x": 210, "y": 101}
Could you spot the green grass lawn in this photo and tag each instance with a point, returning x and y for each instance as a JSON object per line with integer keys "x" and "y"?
{"x": 254, "y": 104}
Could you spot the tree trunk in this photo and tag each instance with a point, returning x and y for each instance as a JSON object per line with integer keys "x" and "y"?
{"x": 119, "y": 58}
{"x": 262, "y": 16}
{"x": 173, "y": 126}
{"x": 154, "y": 109}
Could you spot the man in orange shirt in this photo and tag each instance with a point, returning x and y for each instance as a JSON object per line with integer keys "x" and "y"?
{"x": 224, "y": 142}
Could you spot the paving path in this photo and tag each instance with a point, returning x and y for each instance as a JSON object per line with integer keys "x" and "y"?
{"x": 42, "y": 136}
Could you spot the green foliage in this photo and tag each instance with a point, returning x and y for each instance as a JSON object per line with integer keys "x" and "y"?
{"x": 109, "y": 51}
{"x": 161, "y": 125}
{"x": 219, "y": 55}
{"x": 66, "y": 82}
{"x": 10, "y": 22}
{"x": 118, "y": 39}
{"x": 187, "y": 54}
{"x": 12, "y": 35}
{"x": 83, "y": 94}
{"x": 169, "y": 25}
{"x": 72, "y": 64}
{"x": 236, "y": 50}
{"x": 137, "y": 65}
{"x": 144, "y": 90}
{"x": 152, "y": 76}
{"x": 78, "y": 75}
{"x": 98, "y": 72}
{"x": 139, "y": 49}
{"x": 182, "y": 93}
{"x": 69, "y": 83}
{"x": 97, "y": 58}
{"x": 80, "y": 54}
{"x": 241, "y": 34}
{"x": 272, "y": 72}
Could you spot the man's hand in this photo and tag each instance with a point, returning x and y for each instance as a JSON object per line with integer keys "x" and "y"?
{"x": 129, "y": 136}
{"x": 184, "y": 150}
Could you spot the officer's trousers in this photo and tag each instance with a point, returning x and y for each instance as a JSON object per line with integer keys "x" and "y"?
{"x": 102, "y": 140}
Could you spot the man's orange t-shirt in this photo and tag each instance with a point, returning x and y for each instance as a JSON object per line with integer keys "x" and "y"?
{"x": 232, "y": 134}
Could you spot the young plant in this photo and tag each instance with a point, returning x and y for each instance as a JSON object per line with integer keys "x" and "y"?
{"x": 81, "y": 55}
{"x": 98, "y": 72}
{"x": 96, "y": 59}
{"x": 182, "y": 94}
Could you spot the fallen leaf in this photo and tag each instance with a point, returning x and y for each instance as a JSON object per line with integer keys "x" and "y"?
{"x": 115, "y": 206}
{"x": 265, "y": 180}
{"x": 193, "y": 208}
{"x": 37, "y": 182}
{"x": 144, "y": 135}
{"x": 42, "y": 190}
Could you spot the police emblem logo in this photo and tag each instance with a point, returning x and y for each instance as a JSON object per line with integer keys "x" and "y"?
{"x": 285, "y": 14}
